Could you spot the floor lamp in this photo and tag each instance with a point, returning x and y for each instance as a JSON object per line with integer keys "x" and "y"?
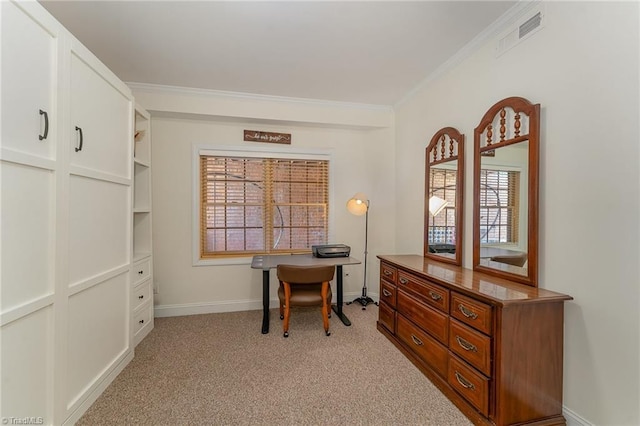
{"x": 359, "y": 205}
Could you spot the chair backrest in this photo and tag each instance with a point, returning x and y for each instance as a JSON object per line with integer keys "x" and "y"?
{"x": 296, "y": 274}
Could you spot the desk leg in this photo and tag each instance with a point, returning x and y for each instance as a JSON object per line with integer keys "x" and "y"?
{"x": 337, "y": 308}
{"x": 265, "y": 301}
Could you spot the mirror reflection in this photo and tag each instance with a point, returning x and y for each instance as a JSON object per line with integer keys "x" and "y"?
{"x": 505, "y": 217}
{"x": 442, "y": 209}
{"x": 443, "y": 196}
{"x": 503, "y": 208}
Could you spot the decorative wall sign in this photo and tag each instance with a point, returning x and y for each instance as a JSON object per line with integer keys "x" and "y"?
{"x": 269, "y": 137}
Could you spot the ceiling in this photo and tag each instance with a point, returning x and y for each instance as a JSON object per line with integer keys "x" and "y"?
{"x": 346, "y": 51}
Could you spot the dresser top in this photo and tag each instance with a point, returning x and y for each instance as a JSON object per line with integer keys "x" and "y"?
{"x": 492, "y": 289}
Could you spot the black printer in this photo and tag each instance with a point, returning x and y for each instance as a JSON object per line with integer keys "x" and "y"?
{"x": 331, "y": 250}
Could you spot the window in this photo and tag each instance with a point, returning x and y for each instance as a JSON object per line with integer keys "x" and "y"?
{"x": 251, "y": 205}
{"x": 499, "y": 201}
{"x": 442, "y": 227}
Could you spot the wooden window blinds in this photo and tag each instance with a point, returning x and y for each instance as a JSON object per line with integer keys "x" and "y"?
{"x": 499, "y": 201}
{"x": 254, "y": 206}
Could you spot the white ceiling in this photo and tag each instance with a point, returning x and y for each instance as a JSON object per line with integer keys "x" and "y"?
{"x": 372, "y": 52}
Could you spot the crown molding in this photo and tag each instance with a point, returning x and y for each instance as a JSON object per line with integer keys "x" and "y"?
{"x": 499, "y": 25}
{"x": 221, "y": 94}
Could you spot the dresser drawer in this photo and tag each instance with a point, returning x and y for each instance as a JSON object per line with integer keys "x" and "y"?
{"x": 473, "y": 386}
{"x": 388, "y": 272}
{"x": 388, "y": 293}
{"x": 141, "y": 271}
{"x": 387, "y": 316}
{"x": 431, "y": 320}
{"x": 434, "y": 295}
{"x": 141, "y": 293}
{"x": 472, "y": 312}
{"x": 470, "y": 345}
{"x": 426, "y": 347}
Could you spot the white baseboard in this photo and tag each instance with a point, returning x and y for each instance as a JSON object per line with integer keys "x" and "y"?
{"x": 226, "y": 306}
{"x": 574, "y": 419}
{"x": 93, "y": 395}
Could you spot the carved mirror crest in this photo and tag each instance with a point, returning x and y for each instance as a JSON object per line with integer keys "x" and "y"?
{"x": 444, "y": 187}
{"x": 505, "y": 207}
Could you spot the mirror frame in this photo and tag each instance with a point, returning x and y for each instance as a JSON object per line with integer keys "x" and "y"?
{"x": 523, "y": 107}
{"x": 433, "y": 157}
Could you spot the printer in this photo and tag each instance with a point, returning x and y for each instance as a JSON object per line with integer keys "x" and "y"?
{"x": 331, "y": 250}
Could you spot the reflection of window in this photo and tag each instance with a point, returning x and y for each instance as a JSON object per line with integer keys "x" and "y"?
{"x": 499, "y": 201}
{"x": 262, "y": 205}
{"x": 442, "y": 227}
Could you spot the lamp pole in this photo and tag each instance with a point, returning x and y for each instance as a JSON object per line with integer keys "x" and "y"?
{"x": 364, "y": 300}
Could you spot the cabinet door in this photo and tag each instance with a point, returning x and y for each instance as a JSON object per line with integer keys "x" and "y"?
{"x": 27, "y": 230}
{"x": 29, "y": 49}
{"x": 101, "y": 118}
{"x": 99, "y": 236}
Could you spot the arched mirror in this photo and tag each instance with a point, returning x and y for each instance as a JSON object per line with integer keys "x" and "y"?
{"x": 505, "y": 193}
{"x": 444, "y": 187}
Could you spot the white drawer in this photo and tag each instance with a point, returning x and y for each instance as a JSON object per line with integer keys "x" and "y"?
{"x": 142, "y": 322}
{"x": 141, "y": 271}
{"x": 141, "y": 294}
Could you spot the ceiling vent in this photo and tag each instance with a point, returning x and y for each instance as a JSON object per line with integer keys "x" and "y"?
{"x": 526, "y": 27}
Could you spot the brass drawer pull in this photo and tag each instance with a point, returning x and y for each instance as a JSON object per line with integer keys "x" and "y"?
{"x": 416, "y": 340}
{"x": 464, "y": 382}
{"x": 387, "y": 272}
{"x": 403, "y": 280}
{"x": 466, "y": 345}
{"x": 466, "y": 312}
{"x": 386, "y": 292}
{"x": 435, "y": 296}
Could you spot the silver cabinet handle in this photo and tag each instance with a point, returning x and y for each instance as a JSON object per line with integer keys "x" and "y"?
{"x": 466, "y": 345}
{"x": 416, "y": 340}
{"x": 464, "y": 382}
{"x": 386, "y": 292}
{"x": 403, "y": 280}
{"x": 387, "y": 272}
{"x": 466, "y": 312}
{"x": 435, "y": 296}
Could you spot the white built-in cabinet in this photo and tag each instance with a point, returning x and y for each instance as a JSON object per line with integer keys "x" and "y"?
{"x": 142, "y": 272}
{"x": 68, "y": 231}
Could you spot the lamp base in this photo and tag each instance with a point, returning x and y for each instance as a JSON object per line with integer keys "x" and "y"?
{"x": 364, "y": 301}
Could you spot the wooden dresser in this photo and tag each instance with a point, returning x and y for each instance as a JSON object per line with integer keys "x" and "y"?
{"x": 492, "y": 346}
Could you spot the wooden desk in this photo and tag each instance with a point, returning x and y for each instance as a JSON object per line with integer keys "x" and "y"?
{"x": 267, "y": 262}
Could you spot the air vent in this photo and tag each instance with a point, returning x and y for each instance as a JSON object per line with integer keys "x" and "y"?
{"x": 531, "y": 24}
{"x": 524, "y": 29}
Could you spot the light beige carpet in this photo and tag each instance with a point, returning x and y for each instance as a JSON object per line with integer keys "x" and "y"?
{"x": 218, "y": 369}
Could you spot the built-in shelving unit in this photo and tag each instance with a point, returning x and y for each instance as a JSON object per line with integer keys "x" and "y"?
{"x": 142, "y": 279}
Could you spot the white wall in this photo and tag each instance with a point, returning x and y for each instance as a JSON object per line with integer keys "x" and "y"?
{"x": 582, "y": 67}
{"x": 362, "y": 161}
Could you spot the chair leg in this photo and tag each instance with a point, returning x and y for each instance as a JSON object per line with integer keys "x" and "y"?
{"x": 281, "y": 311}
{"x": 287, "y": 309}
{"x": 285, "y": 324}
{"x": 325, "y": 308}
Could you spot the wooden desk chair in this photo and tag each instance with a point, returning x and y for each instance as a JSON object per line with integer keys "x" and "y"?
{"x": 305, "y": 286}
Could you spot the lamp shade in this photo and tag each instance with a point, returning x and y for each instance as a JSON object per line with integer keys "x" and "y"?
{"x": 436, "y": 205}
{"x": 358, "y": 204}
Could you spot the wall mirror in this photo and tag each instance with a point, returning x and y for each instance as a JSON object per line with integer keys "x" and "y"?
{"x": 444, "y": 188}
{"x": 505, "y": 203}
